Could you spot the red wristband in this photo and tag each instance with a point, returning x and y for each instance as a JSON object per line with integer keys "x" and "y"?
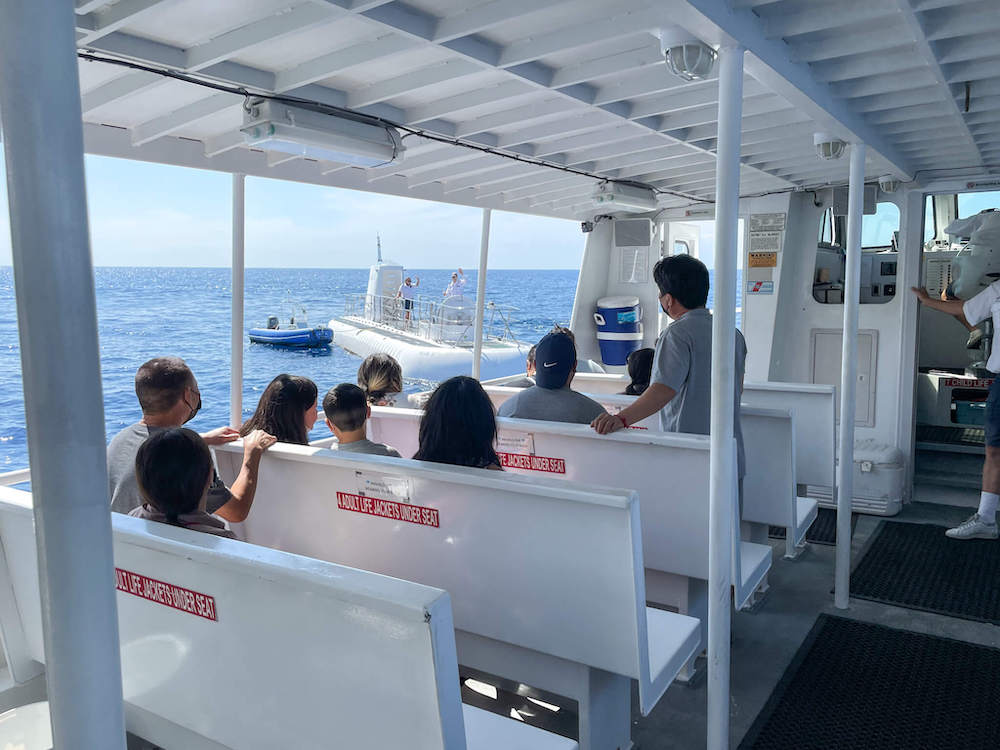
{"x": 622, "y": 419}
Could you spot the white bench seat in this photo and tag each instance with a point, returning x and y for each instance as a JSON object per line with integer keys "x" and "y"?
{"x": 540, "y": 570}
{"x": 230, "y": 645}
{"x": 489, "y": 731}
{"x": 674, "y": 495}
{"x": 770, "y": 496}
{"x": 806, "y": 510}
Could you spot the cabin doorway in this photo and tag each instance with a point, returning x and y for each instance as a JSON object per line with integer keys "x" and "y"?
{"x": 951, "y": 386}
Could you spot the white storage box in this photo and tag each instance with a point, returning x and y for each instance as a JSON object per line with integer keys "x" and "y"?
{"x": 879, "y": 474}
{"x": 878, "y": 478}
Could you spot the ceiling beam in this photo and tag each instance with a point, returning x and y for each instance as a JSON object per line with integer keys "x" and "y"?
{"x": 273, "y": 27}
{"x": 917, "y": 24}
{"x": 410, "y": 82}
{"x": 330, "y": 64}
{"x": 646, "y": 55}
{"x": 811, "y": 17}
{"x": 483, "y": 96}
{"x": 768, "y": 60}
{"x": 107, "y": 21}
{"x": 158, "y": 127}
{"x": 477, "y": 18}
{"x": 117, "y": 88}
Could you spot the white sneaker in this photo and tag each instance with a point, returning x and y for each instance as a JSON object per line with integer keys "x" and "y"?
{"x": 973, "y": 528}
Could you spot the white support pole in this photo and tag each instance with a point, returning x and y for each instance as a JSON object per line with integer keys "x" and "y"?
{"x": 849, "y": 377}
{"x": 484, "y": 251}
{"x": 60, "y": 360}
{"x": 723, "y": 483}
{"x": 238, "y": 263}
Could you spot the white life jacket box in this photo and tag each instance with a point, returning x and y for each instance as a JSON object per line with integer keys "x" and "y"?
{"x": 879, "y": 474}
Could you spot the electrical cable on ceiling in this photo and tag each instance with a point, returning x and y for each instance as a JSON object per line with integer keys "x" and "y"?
{"x": 372, "y": 119}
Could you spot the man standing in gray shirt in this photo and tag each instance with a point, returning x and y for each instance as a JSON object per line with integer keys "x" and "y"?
{"x": 169, "y": 396}
{"x": 551, "y": 398}
{"x": 681, "y": 384}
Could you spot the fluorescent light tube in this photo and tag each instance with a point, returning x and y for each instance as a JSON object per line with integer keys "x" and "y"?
{"x": 274, "y": 126}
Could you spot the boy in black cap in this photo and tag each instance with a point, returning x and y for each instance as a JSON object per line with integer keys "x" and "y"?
{"x": 551, "y": 398}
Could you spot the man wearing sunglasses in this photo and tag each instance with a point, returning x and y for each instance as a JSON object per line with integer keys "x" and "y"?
{"x": 168, "y": 395}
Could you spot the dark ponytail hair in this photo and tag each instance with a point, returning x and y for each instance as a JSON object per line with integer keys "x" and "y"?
{"x": 281, "y": 410}
{"x": 172, "y": 469}
{"x": 640, "y": 369}
{"x": 459, "y": 425}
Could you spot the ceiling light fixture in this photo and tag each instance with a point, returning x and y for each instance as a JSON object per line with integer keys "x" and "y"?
{"x": 692, "y": 61}
{"x": 827, "y": 147}
{"x": 619, "y": 196}
{"x": 274, "y": 126}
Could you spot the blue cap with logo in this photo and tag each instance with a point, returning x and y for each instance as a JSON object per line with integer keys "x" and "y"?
{"x": 555, "y": 357}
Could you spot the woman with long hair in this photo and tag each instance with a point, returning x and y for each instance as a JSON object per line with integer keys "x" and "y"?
{"x": 287, "y": 410}
{"x": 381, "y": 378}
{"x": 459, "y": 426}
{"x": 640, "y": 369}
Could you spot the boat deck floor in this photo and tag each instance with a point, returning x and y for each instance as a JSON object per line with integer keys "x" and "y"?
{"x": 765, "y": 641}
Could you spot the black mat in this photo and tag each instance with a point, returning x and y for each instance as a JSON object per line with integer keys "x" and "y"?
{"x": 823, "y": 530}
{"x": 853, "y": 685}
{"x": 916, "y": 566}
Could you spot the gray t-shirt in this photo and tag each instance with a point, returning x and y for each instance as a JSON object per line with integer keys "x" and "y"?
{"x": 121, "y": 471}
{"x": 370, "y": 447}
{"x": 552, "y": 405}
{"x": 683, "y": 362}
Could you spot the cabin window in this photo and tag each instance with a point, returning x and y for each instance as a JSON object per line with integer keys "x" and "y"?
{"x": 930, "y": 220}
{"x": 681, "y": 248}
{"x": 973, "y": 203}
{"x": 878, "y": 261}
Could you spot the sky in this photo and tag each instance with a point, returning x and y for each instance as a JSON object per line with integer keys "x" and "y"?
{"x": 144, "y": 214}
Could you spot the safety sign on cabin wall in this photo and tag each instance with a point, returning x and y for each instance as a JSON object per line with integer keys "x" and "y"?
{"x": 767, "y": 231}
{"x": 762, "y": 260}
{"x": 760, "y": 287}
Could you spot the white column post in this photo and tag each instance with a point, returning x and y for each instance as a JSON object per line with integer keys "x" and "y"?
{"x": 849, "y": 376}
{"x": 236, "y": 334}
{"x": 723, "y": 483}
{"x": 60, "y": 360}
{"x": 484, "y": 251}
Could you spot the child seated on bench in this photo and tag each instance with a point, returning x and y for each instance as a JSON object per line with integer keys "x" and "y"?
{"x": 381, "y": 378}
{"x": 173, "y": 469}
{"x": 347, "y": 411}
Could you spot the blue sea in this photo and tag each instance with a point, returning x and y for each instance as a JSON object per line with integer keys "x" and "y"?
{"x": 149, "y": 312}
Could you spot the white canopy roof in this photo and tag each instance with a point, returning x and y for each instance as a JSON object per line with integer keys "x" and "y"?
{"x": 578, "y": 83}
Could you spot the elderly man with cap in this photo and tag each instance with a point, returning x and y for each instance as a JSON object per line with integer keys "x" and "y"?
{"x": 551, "y": 398}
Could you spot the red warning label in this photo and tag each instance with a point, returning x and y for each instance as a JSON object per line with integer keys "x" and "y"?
{"x": 967, "y": 382}
{"x": 533, "y": 463}
{"x": 390, "y": 509}
{"x": 167, "y": 594}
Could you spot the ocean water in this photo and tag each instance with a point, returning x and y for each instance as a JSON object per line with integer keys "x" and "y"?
{"x": 149, "y": 312}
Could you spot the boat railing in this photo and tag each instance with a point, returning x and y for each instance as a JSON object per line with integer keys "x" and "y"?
{"x": 448, "y": 321}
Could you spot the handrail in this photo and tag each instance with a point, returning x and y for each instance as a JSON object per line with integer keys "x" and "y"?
{"x": 448, "y": 321}
{"x": 19, "y": 476}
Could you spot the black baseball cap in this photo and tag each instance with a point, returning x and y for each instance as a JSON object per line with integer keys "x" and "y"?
{"x": 555, "y": 357}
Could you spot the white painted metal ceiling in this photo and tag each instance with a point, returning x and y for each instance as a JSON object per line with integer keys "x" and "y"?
{"x": 578, "y": 83}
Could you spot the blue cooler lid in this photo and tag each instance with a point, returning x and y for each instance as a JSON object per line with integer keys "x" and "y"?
{"x": 608, "y": 303}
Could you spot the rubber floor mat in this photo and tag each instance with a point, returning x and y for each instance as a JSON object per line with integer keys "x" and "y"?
{"x": 854, "y": 685}
{"x": 916, "y": 566}
{"x": 823, "y": 530}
